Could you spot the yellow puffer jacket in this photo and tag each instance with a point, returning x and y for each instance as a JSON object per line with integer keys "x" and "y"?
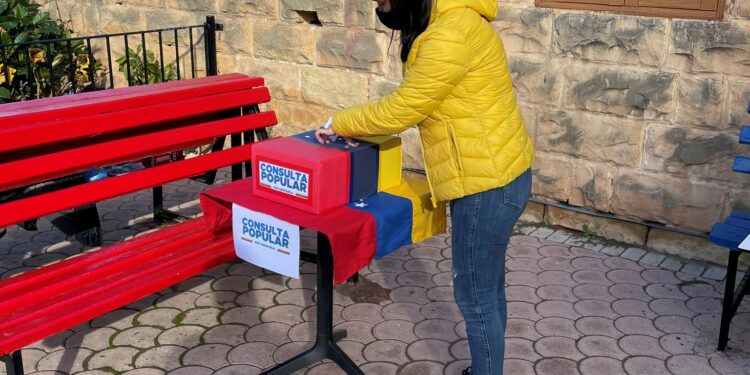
{"x": 458, "y": 89}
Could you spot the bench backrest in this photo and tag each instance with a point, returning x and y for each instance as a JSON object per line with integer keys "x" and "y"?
{"x": 57, "y": 137}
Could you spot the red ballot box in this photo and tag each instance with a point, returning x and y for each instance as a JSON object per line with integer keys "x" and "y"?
{"x": 300, "y": 174}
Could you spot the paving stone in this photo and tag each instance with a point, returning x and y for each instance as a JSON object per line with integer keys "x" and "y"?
{"x": 594, "y": 325}
{"x": 601, "y": 365}
{"x": 368, "y": 312}
{"x": 522, "y": 328}
{"x": 430, "y": 350}
{"x": 229, "y": 334}
{"x": 592, "y": 245}
{"x": 442, "y": 310}
{"x": 593, "y": 291}
{"x": 180, "y": 300}
{"x": 208, "y": 355}
{"x": 671, "y": 264}
{"x": 386, "y": 351}
{"x": 520, "y": 348}
{"x": 138, "y": 337}
{"x": 640, "y": 345}
{"x": 665, "y": 291}
{"x": 576, "y": 241}
{"x": 528, "y": 294}
{"x": 258, "y": 354}
{"x": 552, "y": 249}
{"x": 620, "y": 276}
{"x": 601, "y": 346}
{"x": 556, "y": 277}
{"x": 592, "y": 307}
{"x": 630, "y": 291}
{"x": 675, "y": 324}
{"x": 645, "y": 366}
{"x": 258, "y": 298}
{"x": 613, "y": 250}
{"x": 163, "y": 317}
{"x": 556, "y": 366}
{"x": 548, "y": 264}
{"x": 633, "y": 307}
{"x": 633, "y": 253}
{"x": 668, "y": 306}
{"x": 289, "y": 314}
{"x": 561, "y": 309}
{"x": 379, "y": 368}
{"x": 591, "y": 277}
{"x": 145, "y": 371}
{"x": 693, "y": 269}
{"x": 165, "y": 357}
{"x": 118, "y": 359}
{"x": 421, "y": 367}
{"x": 715, "y": 273}
{"x": 690, "y": 365}
{"x": 304, "y": 331}
{"x": 423, "y": 279}
{"x": 412, "y": 294}
{"x": 726, "y": 366}
{"x": 271, "y": 282}
{"x": 421, "y": 265}
{"x": 436, "y": 329}
{"x": 521, "y": 251}
{"x": 441, "y": 294}
{"x": 557, "y": 326}
{"x": 460, "y": 349}
{"x": 677, "y": 343}
{"x": 653, "y": 258}
{"x": 526, "y": 264}
{"x": 203, "y": 316}
{"x": 275, "y": 333}
{"x": 395, "y": 330}
{"x": 192, "y": 370}
{"x": 403, "y": 311}
{"x": 634, "y": 325}
{"x": 552, "y": 346}
{"x": 704, "y": 305}
{"x": 353, "y": 349}
{"x": 559, "y": 236}
{"x": 364, "y": 332}
{"x": 220, "y": 299}
{"x": 186, "y": 336}
{"x": 238, "y": 370}
{"x": 522, "y": 310}
{"x": 542, "y": 232}
{"x": 518, "y": 367}
{"x": 522, "y": 278}
{"x": 95, "y": 339}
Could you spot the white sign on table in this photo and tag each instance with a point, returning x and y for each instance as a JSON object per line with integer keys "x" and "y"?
{"x": 745, "y": 245}
{"x": 266, "y": 241}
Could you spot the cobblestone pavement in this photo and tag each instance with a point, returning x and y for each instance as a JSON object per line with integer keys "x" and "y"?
{"x": 575, "y": 307}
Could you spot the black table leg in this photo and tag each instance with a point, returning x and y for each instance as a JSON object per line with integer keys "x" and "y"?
{"x": 325, "y": 346}
{"x": 13, "y": 363}
{"x": 728, "y": 304}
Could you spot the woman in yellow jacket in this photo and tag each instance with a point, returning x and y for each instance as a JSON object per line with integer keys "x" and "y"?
{"x": 457, "y": 89}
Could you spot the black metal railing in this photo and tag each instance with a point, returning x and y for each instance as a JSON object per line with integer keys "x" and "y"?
{"x": 55, "y": 67}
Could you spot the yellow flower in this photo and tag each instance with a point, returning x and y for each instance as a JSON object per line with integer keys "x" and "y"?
{"x": 36, "y": 55}
{"x": 10, "y": 73}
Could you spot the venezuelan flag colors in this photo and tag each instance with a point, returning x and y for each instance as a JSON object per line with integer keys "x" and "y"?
{"x": 365, "y": 182}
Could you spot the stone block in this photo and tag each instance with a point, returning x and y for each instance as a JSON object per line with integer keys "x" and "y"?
{"x": 592, "y": 137}
{"x": 346, "y": 48}
{"x": 634, "y": 253}
{"x": 282, "y": 79}
{"x": 227, "y": 63}
{"x": 653, "y": 258}
{"x": 611, "y": 38}
{"x": 158, "y": 18}
{"x": 237, "y": 36}
{"x": 412, "y": 149}
{"x": 739, "y": 200}
{"x": 700, "y": 46}
{"x": 120, "y": 19}
{"x": 641, "y": 94}
{"x": 612, "y": 229}
{"x": 360, "y": 13}
{"x": 285, "y": 42}
{"x": 666, "y": 199}
{"x": 295, "y": 117}
{"x": 536, "y": 80}
{"x": 591, "y": 185}
{"x": 700, "y": 102}
{"x": 740, "y": 9}
{"x": 552, "y": 176}
{"x": 327, "y": 11}
{"x": 686, "y": 246}
{"x": 739, "y": 97}
{"x": 671, "y": 264}
{"x": 317, "y": 87}
{"x": 380, "y": 87}
{"x": 187, "y": 5}
{"x": 534, "y": 213}
{"x": 266, "y": 8}
{"x": 689, "y": 152}
{"x": 525, "y": 29}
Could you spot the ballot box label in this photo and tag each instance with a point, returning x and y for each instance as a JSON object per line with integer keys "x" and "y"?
{"x": 285, "y": 180}
{"x": 266, "y": 241}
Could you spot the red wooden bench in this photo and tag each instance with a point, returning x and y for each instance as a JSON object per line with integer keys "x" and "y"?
{"x": 51, "y": 138}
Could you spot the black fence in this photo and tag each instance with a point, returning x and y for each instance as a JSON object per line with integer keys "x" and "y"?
{"x": 55, "y": 67}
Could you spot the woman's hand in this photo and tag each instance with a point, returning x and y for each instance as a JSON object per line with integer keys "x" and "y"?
{"x": 326, "y": 135}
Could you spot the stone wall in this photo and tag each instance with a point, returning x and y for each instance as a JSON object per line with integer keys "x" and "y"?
{"x": 632, "y": 116}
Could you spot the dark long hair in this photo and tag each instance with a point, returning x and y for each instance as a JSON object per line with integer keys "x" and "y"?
{"x": 411, "y": 17}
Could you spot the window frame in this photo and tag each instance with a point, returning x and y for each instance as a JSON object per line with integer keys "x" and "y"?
{"x": 631, "y": 7}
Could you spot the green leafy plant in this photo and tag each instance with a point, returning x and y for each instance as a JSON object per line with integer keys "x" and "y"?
{"x": 140, "y": 73}
{"x": 589, "y": 232}
{"x": 37, "y": 70}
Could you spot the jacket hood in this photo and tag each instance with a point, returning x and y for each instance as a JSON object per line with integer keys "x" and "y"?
{"x": 486, "y": 8}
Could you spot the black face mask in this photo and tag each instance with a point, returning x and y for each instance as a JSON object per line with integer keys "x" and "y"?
{"x": 389, "y": 19}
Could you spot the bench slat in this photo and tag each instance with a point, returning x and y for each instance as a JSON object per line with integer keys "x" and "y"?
{"x": 60, "y": 102}
{"x": 160, "y": 93}
{"x": 58, "y": 164}
{"x": 38, "y": 206}
{"x": 195, "y": 258}
{"x": 741, "y": 164}
{"x": 76, "y": 266}
{"x": 36, "y": 134}
{"x": 745, "y": 135}
{"x": 727, "y": 235}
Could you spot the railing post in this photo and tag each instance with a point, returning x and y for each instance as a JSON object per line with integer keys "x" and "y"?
{"x": 211, "y": 27}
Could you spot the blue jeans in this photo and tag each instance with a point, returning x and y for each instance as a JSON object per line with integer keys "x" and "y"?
{"x": 482, "y": 226}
